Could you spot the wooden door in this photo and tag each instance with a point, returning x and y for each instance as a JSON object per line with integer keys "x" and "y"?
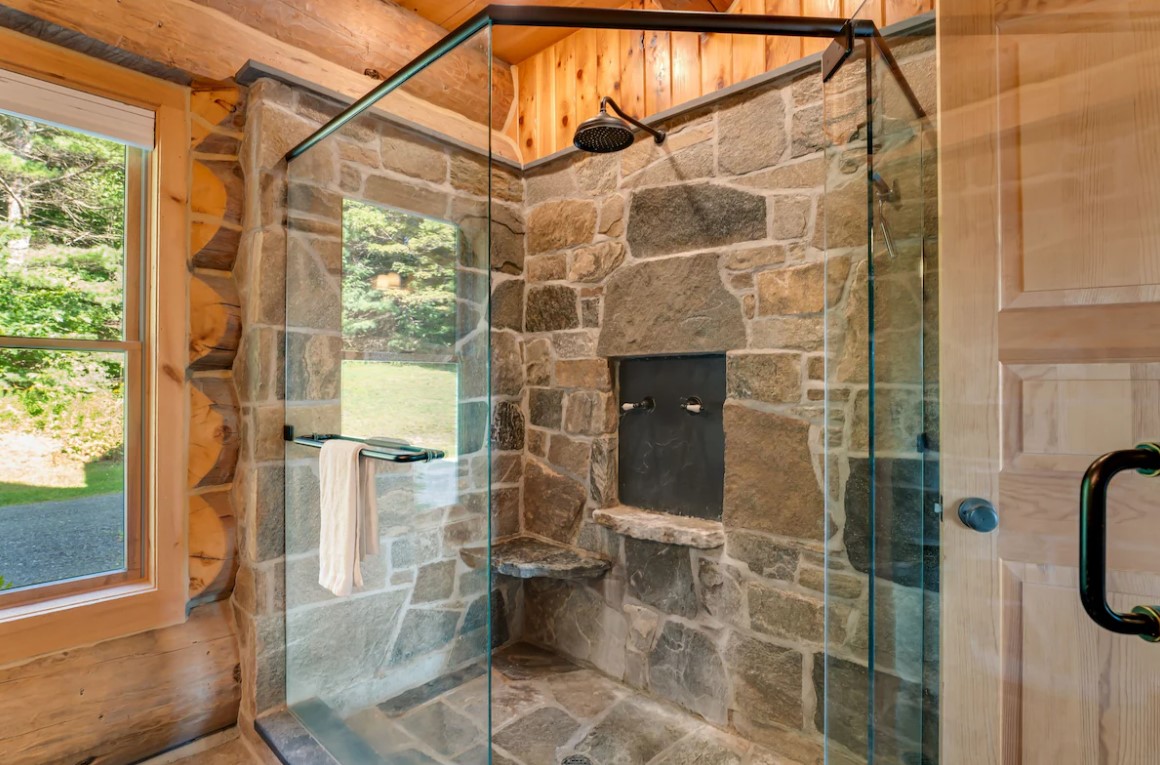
{"x": 1049, "y": 186}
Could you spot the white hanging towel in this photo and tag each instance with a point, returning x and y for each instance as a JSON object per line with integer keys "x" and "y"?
{"x": 350, "y": 521}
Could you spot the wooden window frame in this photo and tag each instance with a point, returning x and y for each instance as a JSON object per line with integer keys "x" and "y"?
{"x": 153, "y": 592}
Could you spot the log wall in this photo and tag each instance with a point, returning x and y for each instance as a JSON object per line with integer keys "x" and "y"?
{"x": 214, "y": 334}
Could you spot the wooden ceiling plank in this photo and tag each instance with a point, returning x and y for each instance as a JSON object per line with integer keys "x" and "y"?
{"x": 372, "y": 34}
{"x": 132, "y": 25}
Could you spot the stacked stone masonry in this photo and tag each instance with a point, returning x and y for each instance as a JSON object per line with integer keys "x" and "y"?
{"x": 717, "y": 241}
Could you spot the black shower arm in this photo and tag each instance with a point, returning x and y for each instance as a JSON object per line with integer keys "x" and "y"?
{"x": 658, "y": 135}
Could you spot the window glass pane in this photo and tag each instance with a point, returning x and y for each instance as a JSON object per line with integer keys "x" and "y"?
{"x": 398, "y": 281}
{"x": 414, "y": 402}
{"x": 62, "y": 232}
{"x": 62, "y": 478}
{"x": 399, "y": 303}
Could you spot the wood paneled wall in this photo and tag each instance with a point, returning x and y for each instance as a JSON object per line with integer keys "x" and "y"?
{"x": 649, "y": 72}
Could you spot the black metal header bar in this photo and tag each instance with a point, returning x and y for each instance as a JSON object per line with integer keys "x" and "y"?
{"x": 589, "y": 18}
{"x": 663, "y": 21}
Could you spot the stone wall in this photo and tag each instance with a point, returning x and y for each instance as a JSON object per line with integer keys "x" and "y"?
{"x": 716, "y": 241}
{"x": 423, "y": 611}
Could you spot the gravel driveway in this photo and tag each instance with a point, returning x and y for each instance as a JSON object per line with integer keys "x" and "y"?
{"x": 49, "y": 541}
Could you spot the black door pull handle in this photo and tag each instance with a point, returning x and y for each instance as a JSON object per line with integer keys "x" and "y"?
{"x": 1143, "y": 621}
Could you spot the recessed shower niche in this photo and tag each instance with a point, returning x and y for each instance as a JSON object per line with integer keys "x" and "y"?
{"x": 672, "y": 435}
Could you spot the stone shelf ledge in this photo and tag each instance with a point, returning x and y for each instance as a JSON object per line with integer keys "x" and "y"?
{"x": 662, "y": 527}
{"x": 531, "y": 558}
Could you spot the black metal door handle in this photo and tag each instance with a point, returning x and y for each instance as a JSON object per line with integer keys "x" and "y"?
{"x": 978, "y": 515}
{"x": 1093, "y": 542}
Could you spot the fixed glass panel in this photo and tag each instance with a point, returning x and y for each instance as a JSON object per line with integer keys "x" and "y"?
{"x": 881, "y": 671}
{"x": 62, "y": 481}
{"x": 387, "y": 339}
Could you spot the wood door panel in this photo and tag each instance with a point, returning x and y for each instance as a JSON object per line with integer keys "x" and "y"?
{"x": 1095, "y": 333}
{"x": 1070, "y": 713}
{"x": 1050, "y": 279}
{"x": 1080, "y": 182}
{"x": 1040, "y": 520}
{"x": 1057, "y": 665}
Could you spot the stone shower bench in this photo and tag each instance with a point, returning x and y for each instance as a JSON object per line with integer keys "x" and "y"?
{"x": 662, "y": 527}
{"x": 531, "y": 558}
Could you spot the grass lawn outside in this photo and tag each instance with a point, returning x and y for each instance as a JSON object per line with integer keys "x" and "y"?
{"x": 415, "y": 402}
{"x": 105, "y": 477}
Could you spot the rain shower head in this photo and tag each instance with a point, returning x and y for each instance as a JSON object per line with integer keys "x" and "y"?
{"x": 604, "y": 133}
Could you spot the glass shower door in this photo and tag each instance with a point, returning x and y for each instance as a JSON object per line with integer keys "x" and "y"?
{"x": 881, "y": 684}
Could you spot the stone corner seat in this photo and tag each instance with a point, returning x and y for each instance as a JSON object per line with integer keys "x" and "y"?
{"x": 526, "y": 557}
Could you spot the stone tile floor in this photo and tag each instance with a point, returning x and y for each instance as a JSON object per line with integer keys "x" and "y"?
{"x": 545, "y": 709}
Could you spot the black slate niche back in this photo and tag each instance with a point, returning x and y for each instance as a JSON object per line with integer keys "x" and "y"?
{"x": 672, "y": 461}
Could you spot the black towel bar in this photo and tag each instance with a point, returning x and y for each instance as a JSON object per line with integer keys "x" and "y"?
{"x": 399, "y": 453}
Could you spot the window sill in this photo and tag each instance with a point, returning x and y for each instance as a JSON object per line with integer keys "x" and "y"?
{"x": 50, "y": 626}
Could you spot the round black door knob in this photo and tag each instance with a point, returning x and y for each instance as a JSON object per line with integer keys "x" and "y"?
{"x": 978, "y": 514}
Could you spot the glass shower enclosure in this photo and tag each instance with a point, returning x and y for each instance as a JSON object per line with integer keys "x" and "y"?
{"x": 479, "y": 323}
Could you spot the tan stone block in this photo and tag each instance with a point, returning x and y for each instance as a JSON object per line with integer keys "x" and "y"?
{"x": 553, "y": 503}
{"x": 612, "y": 216}
{"x": 752, "y": 132}
{"x": 841, "y": 584}
{"x": 595, "y": 262}
{"x": 570, "y": 455}
{"x": 817, "y": 367}
{"x": 792, "y": 216}
{"x": 405, "y": 196}
{"x": 584, "y": 373}
{"x": 546, "y": 268}
{"x": 775, "y": 378}
{"x": 469, "y": 174}
{"x": 643, "y": 153}
{"x": 413, "y": 156}
{"x": 770, "y": 483}
{"x": 809, "y": 173}
{"x": 801, "y": 289}
{"x": 801, "y": 333}
{"x": 590, "y": 413}
{"x": 755, "y": 257}
{"x": 560, "y": 224}
{"x": 897, "y": 418}
{"x": 741, "y": 281}
{"x": 366, "y": 155}
{"x": 767, "y": 681}
{"x": 789, "y": 615}
{"x": 537, "y": 442}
